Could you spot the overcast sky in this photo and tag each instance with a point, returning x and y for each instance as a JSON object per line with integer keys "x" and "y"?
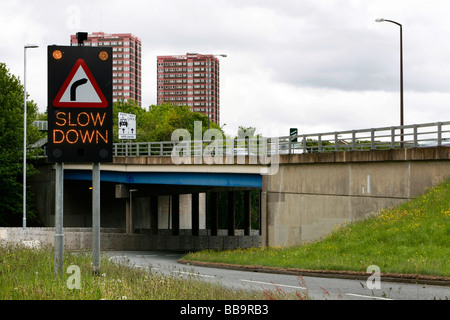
{"x": 316, "y": 65}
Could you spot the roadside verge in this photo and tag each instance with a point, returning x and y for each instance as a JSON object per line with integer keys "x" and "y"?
{"x": 354, "y": 275}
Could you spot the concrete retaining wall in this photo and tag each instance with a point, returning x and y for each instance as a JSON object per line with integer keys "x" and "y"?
{"x": 74, "y": 238}
{"x": 313, "y": 193}
{"x": 116, "y": 239}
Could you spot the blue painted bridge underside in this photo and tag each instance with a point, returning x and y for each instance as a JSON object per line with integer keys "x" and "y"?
{"x": 172, "y": 178}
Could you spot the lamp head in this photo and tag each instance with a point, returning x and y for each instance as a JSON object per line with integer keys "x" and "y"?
{"x": 379, "y": 20}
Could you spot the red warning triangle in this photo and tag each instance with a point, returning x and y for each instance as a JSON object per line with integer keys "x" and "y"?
{"x": 80, "y": 90}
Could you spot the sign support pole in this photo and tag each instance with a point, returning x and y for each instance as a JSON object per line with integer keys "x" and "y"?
{"x": 96, "y": 217}
{"x": 59, "y": 210}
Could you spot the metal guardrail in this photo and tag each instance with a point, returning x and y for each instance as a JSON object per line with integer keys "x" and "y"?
{"x": 410, "y": 136}
{"x": 397, "y": 137}
{"x": 143, "y": 148}
{"x": 41, "y": 125}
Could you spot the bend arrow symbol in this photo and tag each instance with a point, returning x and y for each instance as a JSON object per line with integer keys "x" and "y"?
{"x": 73, "y": 88}
{"x": 71, "y": 96}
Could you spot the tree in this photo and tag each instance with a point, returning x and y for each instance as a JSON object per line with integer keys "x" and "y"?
{"x": 11, "y": 149}
{"x": 160, "y": 121}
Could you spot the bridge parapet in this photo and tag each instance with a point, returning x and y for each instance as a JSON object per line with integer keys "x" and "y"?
{"x": 413, "y": 154}
{"x": 435, "y": 134}
{"x": 259, "y": 150}
{"x": 168, "y": 160}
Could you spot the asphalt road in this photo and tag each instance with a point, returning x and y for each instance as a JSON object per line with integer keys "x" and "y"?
{"x": 318, "y": 288}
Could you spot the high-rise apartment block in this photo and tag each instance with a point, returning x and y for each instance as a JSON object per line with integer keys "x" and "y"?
{"x": 127, "y": 65}
{"x": 191, "y": 80}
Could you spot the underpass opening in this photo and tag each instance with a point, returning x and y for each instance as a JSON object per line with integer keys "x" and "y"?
{"x": 171, "y": 216}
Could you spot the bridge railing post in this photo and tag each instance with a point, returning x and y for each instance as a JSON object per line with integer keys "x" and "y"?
{"x": 289, "y": 144}
{"x": 372, "y": 139}
{"x": 336, "y": 141}
{"x": 304, "y": 143}
{"x": 439, "y": 134}
{"x": 415, "y": 142}
{"x": 353, "y": 139}
{"x": 319, "y": 145}
{"x": 392, "y": 137}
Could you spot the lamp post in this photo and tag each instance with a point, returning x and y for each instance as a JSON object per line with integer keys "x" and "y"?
{"x": 24, "y": 220}
{"x": 401, "y": 74}
{"x": 208, "y": 61}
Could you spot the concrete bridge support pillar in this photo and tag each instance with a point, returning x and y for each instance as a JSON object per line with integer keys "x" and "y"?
{"x": 231, "y": 212}
{"x": 129, "y": 219}
{"x": 154, "y": 215}
{"x": 263, "y": 223}
{"x": 176, "y": 214}
{"x": 195, "y": 214}
{"x": 247, "y": 212}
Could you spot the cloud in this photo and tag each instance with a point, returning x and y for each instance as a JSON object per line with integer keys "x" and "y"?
{"x": 315, "y": 65}
{"x": 274, "y": 107}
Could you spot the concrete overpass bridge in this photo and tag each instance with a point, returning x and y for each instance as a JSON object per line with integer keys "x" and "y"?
{"x": 296, "y": 189}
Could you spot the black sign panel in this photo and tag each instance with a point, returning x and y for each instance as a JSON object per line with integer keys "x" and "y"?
{"x": 293, "y": 132}
{"x": 80, "y": 104}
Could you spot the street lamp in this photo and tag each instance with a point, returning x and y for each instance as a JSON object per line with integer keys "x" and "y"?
{"x": 209, "y": 77}
{"x": 401, "y": 73}
{"x": 24, "y": 220}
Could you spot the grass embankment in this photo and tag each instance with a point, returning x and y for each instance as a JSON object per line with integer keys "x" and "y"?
{"x": 28, "y": 274}
{"x": 413, "y": 238}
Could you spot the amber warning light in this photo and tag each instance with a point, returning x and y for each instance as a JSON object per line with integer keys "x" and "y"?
{"x": 103, "y": 55}
{"x": 57, "y": 54}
